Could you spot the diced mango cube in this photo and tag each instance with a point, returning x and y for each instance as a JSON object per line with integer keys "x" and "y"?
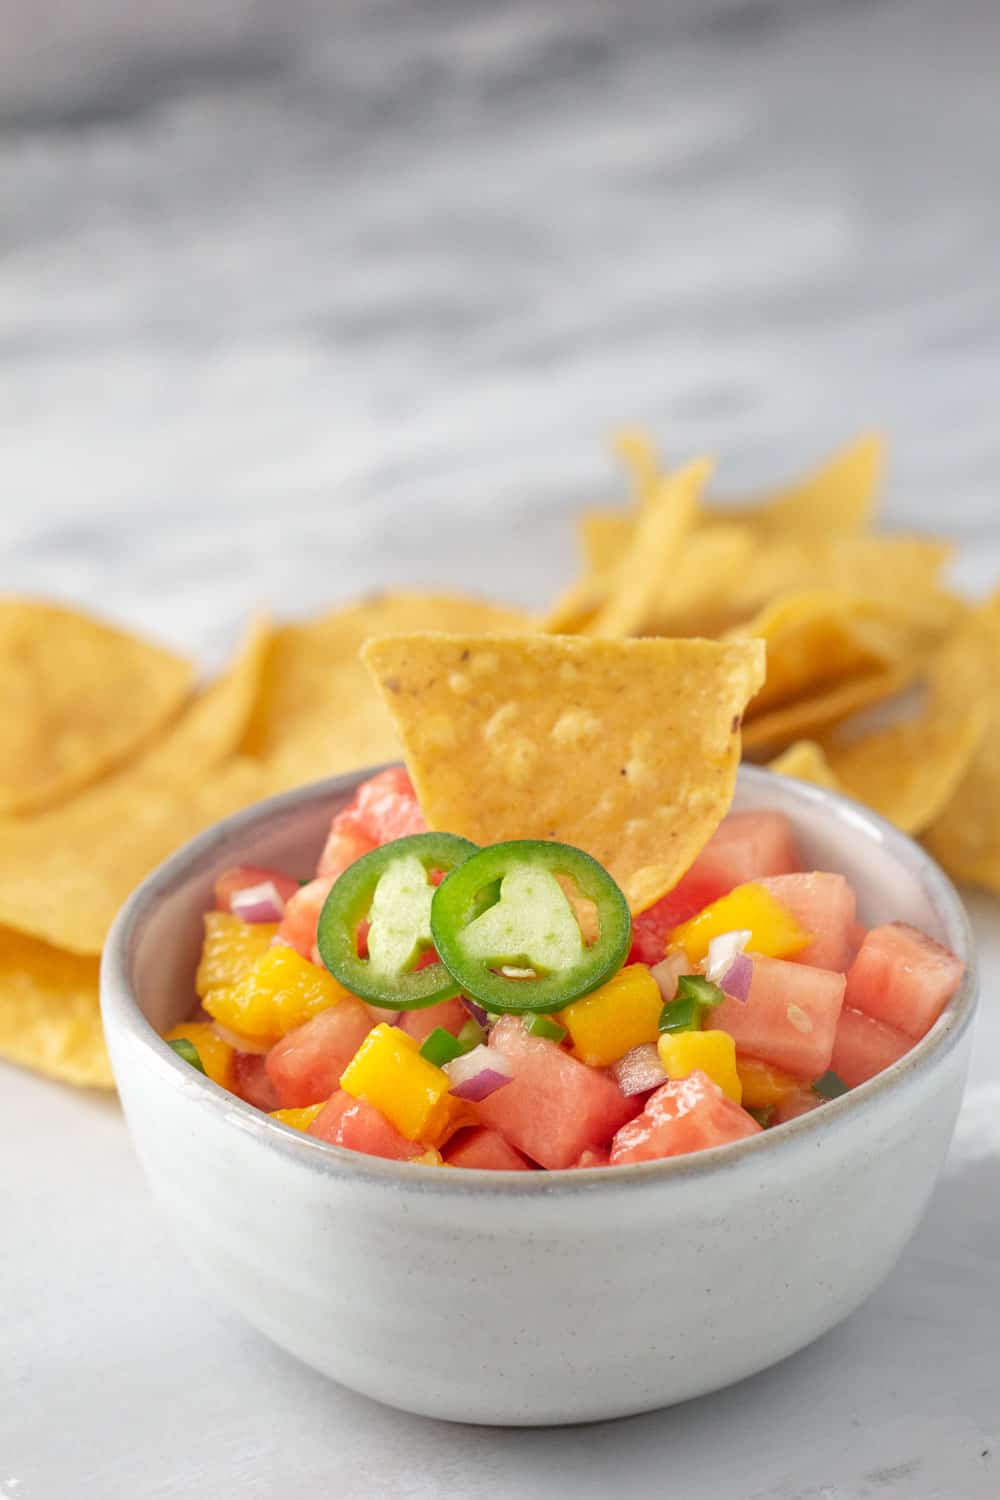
{"x": 230, "y": 950}
{"x": 773, "y": 930}
{"x": 388, "y": 1072}
{"x": 711, "y": 1052}
{"x": 613, "y": 1019}
{"x": 280, "y": 991}
{"x": 764, "y": 1087}
{"x": 216, "y": 1055}
{"x": 301, "y": 1118}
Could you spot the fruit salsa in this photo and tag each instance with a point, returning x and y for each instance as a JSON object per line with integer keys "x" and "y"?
{"x": 433, "y": 999}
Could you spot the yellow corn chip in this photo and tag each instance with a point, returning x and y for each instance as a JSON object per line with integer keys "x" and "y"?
{"x": 604, "y": 538}
{"x": 820, "y": 638}
{"x": 807, "y": 717}
{"x": 65, "y": 873}
{"x": 645, "y": 570}
{"x": 627, "y": 749}
{"x": 839, "y": 496}
{"x": 806, "y": 761}
{"x": 215, "y": 721}
{"x": 50, "y": 1016}
{"x": 575, "y": 607}
{"x": 707, "y": 566}
{"x": 965, "y": 835}
{"x": 318, "y": 713}
{"x": 637, "y": 451}
{"x": 77, "y": 698}
{"x": 909, "y": 771}
{"x": 905, "y": 569}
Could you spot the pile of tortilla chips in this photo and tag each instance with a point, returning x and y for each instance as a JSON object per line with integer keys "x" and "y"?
{"x": 880, "y": 681}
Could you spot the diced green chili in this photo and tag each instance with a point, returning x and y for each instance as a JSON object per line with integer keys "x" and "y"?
{"x": 763, "y": 1116}
{"x": 829, "y": 1085}
{"x": 686, "y": 1011}
{"x": 188, "y": 1051}
{"x": 441, "y": 1047}
{"x": 543, "y": 1027}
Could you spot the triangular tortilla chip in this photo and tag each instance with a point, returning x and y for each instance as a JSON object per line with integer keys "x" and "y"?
{"x": 806, "y": 761}
{"x": 77, "y": 698}
{"x": 50, "y": 1012}
{"x": 909, "y": 771}
{"x": 317, "y": 713}
{"x": 644, "y": 570}
{"x": 965, "y": 835}
{"x": 838, "y": 496}
{"x": 627, "y": 749}
{"x": 808, "y": 716}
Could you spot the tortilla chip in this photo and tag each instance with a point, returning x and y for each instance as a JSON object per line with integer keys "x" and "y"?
{"x": 646, "y": 568}
{"x": 627, "y": 749}
{"x": 909, "y": 771}
{"x": 215, "y": 721}
{"x": 806, "y": 761}
{"x": 50, "y": 1015}
{"x": 317, "y": 713}
{"x": 838, "y": 496}
{"x": 965, "y": 835}
{"x": 78, "y": 697}
{"x": 575, "y": 607}
{"x": 637, "y": 451}
{"x": 820, "y": 638}
{"x": 706, "y": 568}
{"x": 604, "y": 538}
{"x": 808, "y": 717}
{"x": 905, "y": 568}
{"x": 65, "y": 873}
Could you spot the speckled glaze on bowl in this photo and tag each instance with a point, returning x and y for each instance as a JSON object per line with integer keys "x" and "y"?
{"x": 545, "y": 1297}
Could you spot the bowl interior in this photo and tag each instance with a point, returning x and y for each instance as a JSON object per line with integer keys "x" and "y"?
{"x": 162, "y": 928}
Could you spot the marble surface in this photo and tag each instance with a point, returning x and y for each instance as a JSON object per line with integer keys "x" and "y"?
{"x": 300, "y": 300}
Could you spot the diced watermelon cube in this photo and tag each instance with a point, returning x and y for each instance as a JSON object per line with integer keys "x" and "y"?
{"x": 745, "y": 846}
{"x": 789, "y": 1018}
{"x": 359, "y": 1126}
{"x": 387, "y": 806}
{"x": 485, "y": 1149}
{"x": 298, "y": 925}
{"x": 449, "y": 1014}
{"x": 824, "y": 905}
{"x": 242, "y": 877}
{"x": 799, "y": 1102}
{"x": 864, "y": 1046}
{"x": 306, "y": 1064}
{"x": 251, "y": 1081}
{"x": 686, "y": 1114}
{"x": 554, "y": 1107}
{"x": 903, "y": 977}
{"x": 346, "y": 842}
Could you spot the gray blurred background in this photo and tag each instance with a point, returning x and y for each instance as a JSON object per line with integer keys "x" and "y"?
{"x": 300, "y": 299}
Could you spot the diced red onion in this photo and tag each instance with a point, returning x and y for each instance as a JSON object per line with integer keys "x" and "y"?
{"x": 669, "y": 970}
{"x": 639, "y": 1070}
{"x": 240, "y": 1043}
{"x": 738, "y": 978}
{"x": 478, "y": 1073}
{"x": 476, "y": 1011}
{"x": 722, "y": 951}
{"x": 258, "y": 903}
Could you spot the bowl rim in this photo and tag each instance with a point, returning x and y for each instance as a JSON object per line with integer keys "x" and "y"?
{"x": 122, "y": 1013}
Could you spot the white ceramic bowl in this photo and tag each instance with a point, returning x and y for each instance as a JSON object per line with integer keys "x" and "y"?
{"x": 542, "y": 1297}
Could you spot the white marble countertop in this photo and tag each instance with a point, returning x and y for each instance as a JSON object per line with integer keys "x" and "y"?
{"x": 298, "y": 302}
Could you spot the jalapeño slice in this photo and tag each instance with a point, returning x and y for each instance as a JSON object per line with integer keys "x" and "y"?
{"x": 391, "y": 889}
{"x": 524, "y": 951}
